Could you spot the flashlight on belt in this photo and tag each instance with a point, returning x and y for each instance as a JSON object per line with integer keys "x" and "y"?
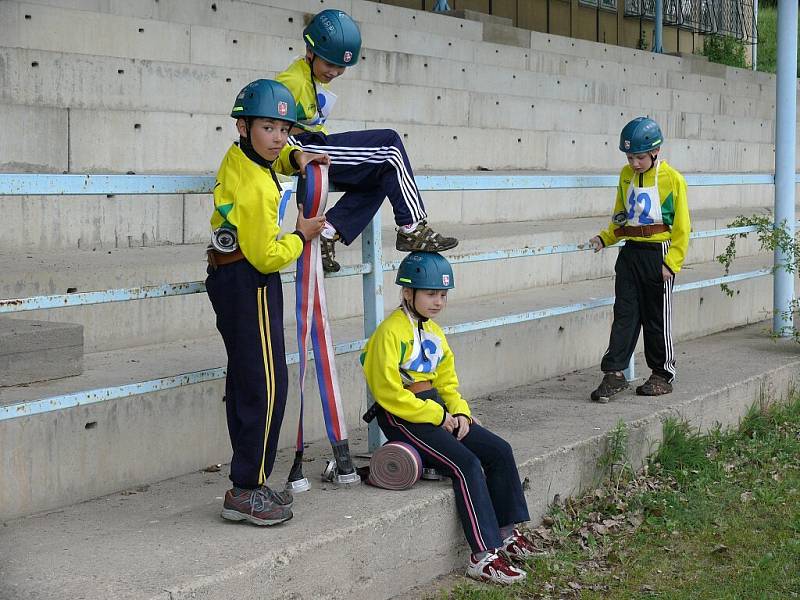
{"x": 224, "y": 240}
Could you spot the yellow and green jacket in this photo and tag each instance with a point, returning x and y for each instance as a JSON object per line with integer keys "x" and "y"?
{"x": 247, "y": 197}
{"x": 298, "y": 79}
{"x": 674, "y": 211}
{"x": 403, "y": 349}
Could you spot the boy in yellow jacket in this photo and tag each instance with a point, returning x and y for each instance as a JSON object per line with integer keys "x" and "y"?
{"x": 652, "y": 214}
{"x": 244, "y": 286}
{"x": 369, "y": 165}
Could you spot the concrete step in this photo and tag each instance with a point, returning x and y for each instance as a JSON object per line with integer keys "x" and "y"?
{"x": 122, "y": 325}
{"x": 272, "y": 16}
{"x": 384, "y": 35}
{"x": 552, "y": 76}
{"x": 113, "y": 445}
{"x": 136, "y": 142}
{"x": 132, "y": 545}
{"x": 37, "y": 351}
{"x": 79, "y": 82}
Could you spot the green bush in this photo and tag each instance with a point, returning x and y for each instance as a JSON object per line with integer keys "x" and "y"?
{"x": 725, "y": 50}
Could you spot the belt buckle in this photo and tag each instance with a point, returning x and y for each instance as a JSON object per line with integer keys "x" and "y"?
{"x": 643, "y": 233}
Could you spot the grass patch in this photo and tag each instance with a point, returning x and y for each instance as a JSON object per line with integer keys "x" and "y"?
{"x": 712, "y": 516}
{"x": 767, "y": 59}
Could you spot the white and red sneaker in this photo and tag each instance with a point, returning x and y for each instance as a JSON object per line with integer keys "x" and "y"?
{"x": 518, "y": 547}
{"x": 495, "y": 569}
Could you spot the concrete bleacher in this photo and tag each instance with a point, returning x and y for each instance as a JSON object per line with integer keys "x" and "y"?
{"x": 145, "y": 87}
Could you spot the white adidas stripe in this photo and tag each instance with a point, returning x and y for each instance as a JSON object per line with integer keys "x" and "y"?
{"x": 388, "y": 154}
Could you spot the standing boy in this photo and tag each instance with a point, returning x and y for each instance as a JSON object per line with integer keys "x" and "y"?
{"x": 651, "y": 213}
{"x": 245, "y": 289}
{"x": 368, "y": 165}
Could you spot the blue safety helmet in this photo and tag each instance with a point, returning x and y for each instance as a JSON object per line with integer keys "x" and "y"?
{"x": 267, "y": 99}
{"x": 640, "y": 135}
{"x": 425, "y": 271}
{"x": 334, "y": 36}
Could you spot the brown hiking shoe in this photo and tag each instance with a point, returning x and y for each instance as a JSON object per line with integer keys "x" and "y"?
{"x": 328, "y": 250}
{"x": 423, "y": 239}
{"x": 257, "y": 506}
{"x": 654, "y": 386}
{"x": 611, "y": 385}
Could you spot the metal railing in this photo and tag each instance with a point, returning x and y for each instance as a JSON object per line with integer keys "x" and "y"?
{"x": 371, "y": 269}
{"x": 735, "y": 18}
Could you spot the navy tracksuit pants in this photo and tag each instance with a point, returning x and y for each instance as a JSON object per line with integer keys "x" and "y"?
{"x": 368, "y": 166}
{"x": 249, "y": 308}
{"x": 643, "y": 302}
{"x": 482, "y": 468}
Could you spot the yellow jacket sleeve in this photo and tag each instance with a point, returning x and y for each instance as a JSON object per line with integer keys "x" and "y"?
{"x": 608, "y": 235}
{"x": 681, "y": 224}
{"x": 380, "y": 362}
{"x": 297, "y": 77}
{"x": 246, "y": 196}
{"x": 446, "y": 381}
{"x": 283, "y": 163}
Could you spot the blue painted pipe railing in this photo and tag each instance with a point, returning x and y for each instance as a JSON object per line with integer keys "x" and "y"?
{"x": 111, "y": 185}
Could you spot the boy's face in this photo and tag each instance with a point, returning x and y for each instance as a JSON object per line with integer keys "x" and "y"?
{"x": 323, "y": 70}
{"x": 642, "y": 162}
{"x": 428, "y": 303}
{"x": 267, "y": 136}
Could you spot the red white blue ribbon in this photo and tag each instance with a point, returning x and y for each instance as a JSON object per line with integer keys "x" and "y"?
{"x": 312, "y": 312}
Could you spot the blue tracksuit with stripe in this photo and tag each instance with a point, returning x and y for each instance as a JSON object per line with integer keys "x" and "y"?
{"x": 368, "y": 165}
{"x": 248, "y": 300}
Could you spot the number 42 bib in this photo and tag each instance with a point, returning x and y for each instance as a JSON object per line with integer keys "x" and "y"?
{"x": 644, "y": 203}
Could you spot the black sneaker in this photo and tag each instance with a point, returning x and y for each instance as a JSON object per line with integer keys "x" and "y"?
{"x": 328, "y": 250}
{"x": 611, "y": 385}
{"x": 423, "y": 239}
{"x": 255, "y": 506}
{"x": 654, "y": 386}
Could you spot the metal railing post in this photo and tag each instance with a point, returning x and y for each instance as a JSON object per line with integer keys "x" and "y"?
{"x": 785, "y": 150}
{"x": 658, "y": 34}
{"x": 630, "y": 372}
{"x": 754, "y": 47}
{"x": 372, "y": 255}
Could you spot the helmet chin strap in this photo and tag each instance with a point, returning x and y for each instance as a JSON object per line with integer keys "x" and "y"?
{"x": 247, "y": 147}
{"x": 412, "y": 306}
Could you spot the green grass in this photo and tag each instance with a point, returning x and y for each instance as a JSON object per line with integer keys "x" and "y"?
{"x": 767, "y": 39}
{"x": 713, "y": 516}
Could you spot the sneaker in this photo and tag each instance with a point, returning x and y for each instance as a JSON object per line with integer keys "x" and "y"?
{"x": 255, "y": 506}
{"x": 328, "y": 250}
{"x": 281, "y": 498}
{"x": 611, "y": 385}
{"x": 495, "y": 569}
{"x": 518, "y": 547}
{"x": 423, "y": 239}
{"x": 654, "y": 386}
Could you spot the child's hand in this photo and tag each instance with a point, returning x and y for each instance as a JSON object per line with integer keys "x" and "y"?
{"x": 462, "y": 428}
{"x": 596, "y": 243}
{"x": 310, "y": 228}
{"x": 450, "y": 423}
{"x": 303, "y": 158}
{"x": 666, "y": 274}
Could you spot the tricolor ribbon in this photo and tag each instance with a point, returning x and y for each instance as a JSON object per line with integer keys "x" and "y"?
{"x": 312, "y": 312}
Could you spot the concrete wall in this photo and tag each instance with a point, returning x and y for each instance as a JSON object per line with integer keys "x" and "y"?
{"x": 572, "y": 19}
